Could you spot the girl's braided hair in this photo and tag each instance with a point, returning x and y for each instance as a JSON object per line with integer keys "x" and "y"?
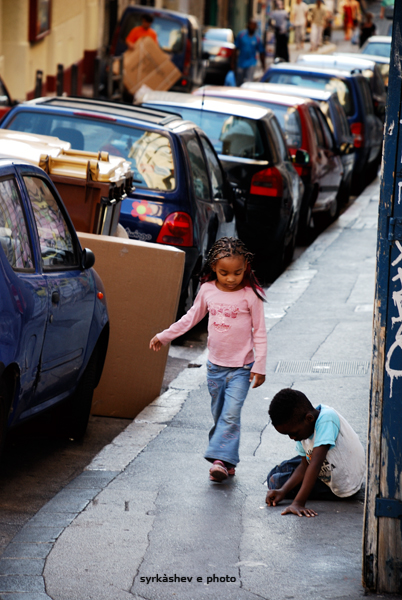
{"x": 224, "y": 248}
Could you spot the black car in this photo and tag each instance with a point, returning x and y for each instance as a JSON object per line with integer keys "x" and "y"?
{"x": 182, "y": 196}
{"x": 253, "y": 151}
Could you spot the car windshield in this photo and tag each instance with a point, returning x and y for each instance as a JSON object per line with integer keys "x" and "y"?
{"x": 149, "y": 152}
{"x": 169, "y": 31}
{"x": 230, "y": 135}
{"x": 331, "y": 84}
{"x": 377, "y": 49}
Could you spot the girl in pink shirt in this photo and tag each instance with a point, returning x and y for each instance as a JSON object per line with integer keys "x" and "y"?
{"x": 237, "y": 344}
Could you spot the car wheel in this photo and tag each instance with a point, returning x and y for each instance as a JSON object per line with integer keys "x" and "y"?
{"x": 77, "y": 409}
{"x": 4, "y": 404}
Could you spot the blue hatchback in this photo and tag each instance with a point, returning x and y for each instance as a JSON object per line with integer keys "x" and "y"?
{"x": 355, "y": 96}
{"x": 53, "y": 316}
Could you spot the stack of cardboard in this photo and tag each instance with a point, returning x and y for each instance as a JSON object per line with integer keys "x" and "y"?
{"x": 147, "y": 65}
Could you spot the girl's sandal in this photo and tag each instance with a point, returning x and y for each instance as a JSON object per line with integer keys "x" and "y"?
{"x": 218, "y": 471}
{"x": 232, "y": 471}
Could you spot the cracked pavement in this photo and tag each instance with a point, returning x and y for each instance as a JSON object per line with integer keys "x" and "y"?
{"x": 145, "y": 508}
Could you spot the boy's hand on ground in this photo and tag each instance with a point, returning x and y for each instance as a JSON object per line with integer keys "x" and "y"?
{"x": 273, "y": 497}
{"x": 155, "y": 344}
{"x": 258, "y": 379}
{"x": 299, "y": 510}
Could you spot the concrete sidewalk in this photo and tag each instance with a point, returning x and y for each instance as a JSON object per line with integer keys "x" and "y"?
{"x": 144, "y": 512}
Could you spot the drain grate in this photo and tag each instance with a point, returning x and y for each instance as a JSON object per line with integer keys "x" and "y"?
{"x": 353, "y": 367}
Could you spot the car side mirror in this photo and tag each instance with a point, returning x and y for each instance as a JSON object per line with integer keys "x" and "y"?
{"x": 301, "y": 157}
{"x": 87, "y": 258}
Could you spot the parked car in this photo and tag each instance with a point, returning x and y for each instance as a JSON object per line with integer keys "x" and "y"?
{"x": 336, "y": 119}
{"x": 378, "y": 48}
{"x": 355, "y": 97}
{"x": 382, "y": 63}
{"x": 6, "y": 103}
{"x": 309, "y": 140}
{"x": 218, "y": 48}
{"x": 367, "y": 67}
{"x": 179, "y": 35}
{"x": 253, "y": 151}
{"x": 54, "y": 320}
{"x": 182, "y": 196}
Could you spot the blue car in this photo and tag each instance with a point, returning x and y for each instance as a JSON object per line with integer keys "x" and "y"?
{"x": 53, "y": 315}
{"x": 182, "y": 196}
{"x": 355, "y": 96}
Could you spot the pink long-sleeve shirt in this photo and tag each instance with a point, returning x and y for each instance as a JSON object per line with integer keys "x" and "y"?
{"x": 236, "y": 326}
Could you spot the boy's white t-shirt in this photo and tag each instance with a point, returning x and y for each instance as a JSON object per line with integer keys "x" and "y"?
{"x": 344, "y": 466}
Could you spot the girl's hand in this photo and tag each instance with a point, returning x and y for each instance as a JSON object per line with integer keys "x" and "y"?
{"x": 155, "y": 344}
{"x": 258, "y": 379}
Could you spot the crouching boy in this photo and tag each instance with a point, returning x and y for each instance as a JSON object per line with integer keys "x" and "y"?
{"x": 330, "y": 461}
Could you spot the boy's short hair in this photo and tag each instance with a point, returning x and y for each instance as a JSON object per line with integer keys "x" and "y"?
{"x": 147, "y": 17}
{"x": 289, "y": 405}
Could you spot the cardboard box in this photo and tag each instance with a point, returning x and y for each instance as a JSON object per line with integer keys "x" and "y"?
{"x": 148, "y": 65}
{"x": 142, "y": 283}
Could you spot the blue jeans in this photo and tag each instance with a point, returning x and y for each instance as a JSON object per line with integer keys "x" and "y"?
{"x": 228, "y": 387}
{"x": 279, "y": 475}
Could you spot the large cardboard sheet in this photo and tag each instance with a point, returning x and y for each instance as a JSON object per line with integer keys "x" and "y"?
{"x": 148, "y": 65}
{"x": 142, "y": 283}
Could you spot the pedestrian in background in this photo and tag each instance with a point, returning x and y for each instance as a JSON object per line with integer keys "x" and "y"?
{"x": 367, "y": 28}
{"x": 279, "y": 20}
{"x": 298, "y": 19}
{"x": 351, "y": 17}
{"x": 143, "y": 30}
{"x": 248, "y": 44}
{"x": 237, "y": 344}
{"x": 318, "y": 23}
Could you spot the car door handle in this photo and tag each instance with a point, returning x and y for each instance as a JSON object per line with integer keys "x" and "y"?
{"x": 55, "y": 297}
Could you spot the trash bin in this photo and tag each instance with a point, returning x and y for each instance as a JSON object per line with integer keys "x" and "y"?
{"x": 91, "y": 184}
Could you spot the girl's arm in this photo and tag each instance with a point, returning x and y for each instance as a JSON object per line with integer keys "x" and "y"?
{"x": 191, "y": 318}
{"x": 259, "y": 340}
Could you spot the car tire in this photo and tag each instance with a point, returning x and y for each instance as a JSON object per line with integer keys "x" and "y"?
{"x": 77, "y": 409}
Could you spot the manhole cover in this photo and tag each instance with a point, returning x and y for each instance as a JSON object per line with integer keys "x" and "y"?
{"x": 353, "y": 367}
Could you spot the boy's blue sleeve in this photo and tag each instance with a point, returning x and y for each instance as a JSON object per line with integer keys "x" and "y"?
{"x": 327, "y": 428}
{"x": 260, "y": 46}
{"x": 300, "y": 449}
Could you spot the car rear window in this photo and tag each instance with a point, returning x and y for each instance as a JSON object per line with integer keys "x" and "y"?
{"x": 377, "y": 49}
{"x": 230, "y": 135}
{"x": 332, "y": 84}
{"x": 149, "y": 152}
{"x": 169, "y": 31}
{"x": 221, "y": 35}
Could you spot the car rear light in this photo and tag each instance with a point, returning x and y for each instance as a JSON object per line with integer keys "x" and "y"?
{"x": 187, "y": 59}
{"x": 225, "y": 52}
{"x": 184, "y": 82}
{"x": 357, "y": 130}
{"x": 176, "y": 230}
{"x": 268, "y": 182}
